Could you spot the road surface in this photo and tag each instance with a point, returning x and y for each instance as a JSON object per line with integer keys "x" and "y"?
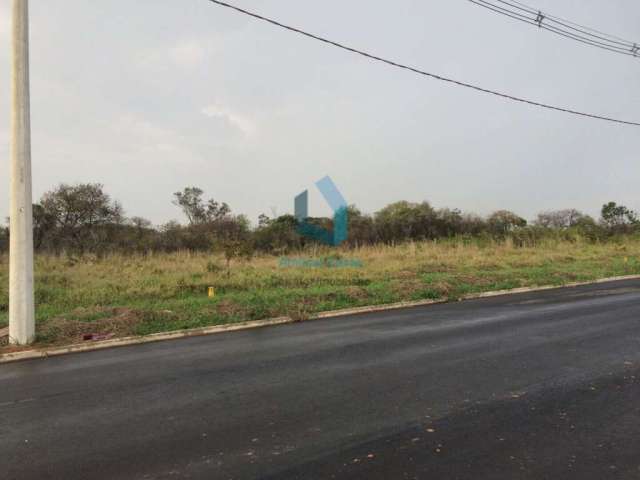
{"x": 536, "y": 385}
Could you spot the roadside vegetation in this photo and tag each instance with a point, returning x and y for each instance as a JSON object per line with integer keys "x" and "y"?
{"x": 102, "y": 275}
{"x": 119, "y": 295}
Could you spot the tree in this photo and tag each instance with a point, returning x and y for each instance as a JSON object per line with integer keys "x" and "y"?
{"x": 217, "y": 211}
{"x": 4, "y": 239}
{"x": 504, "y": 221}
{"x": 618, "y": 218}
{"x": 450, "y": 222}
{"x": 234, "y": 248}
{"x": 588, "y": 228}
{"x": 79, "y": 216}
{"x": 197, "y": 212}
{"x": 171, "y": 236}
{"x": 277, "y": 235}
{"x": 263, "y": 220}
{"x": 140, "y": 223}
{"x": 472, "y": 224}
{"x": 44, "y": 225}
{"x": 190, "y": 200}
{"x": 560, "y": 219}
{"x": 361, "y": 227}
{"x": 405, "y": 220}
{"x": 138, "y": 234}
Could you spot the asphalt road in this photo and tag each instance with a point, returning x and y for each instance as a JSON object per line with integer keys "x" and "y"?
{"x": 538, "y": 385}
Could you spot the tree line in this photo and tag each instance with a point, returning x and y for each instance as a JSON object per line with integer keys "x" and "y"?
{"x": 83, "y": 218}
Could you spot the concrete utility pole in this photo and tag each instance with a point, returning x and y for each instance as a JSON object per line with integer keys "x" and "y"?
{"x": 21, "y": 305}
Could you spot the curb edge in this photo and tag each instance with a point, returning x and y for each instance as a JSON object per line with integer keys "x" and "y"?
{"x": 215, "y": 329}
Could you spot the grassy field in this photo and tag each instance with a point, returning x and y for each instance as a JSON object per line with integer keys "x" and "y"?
{"x": 133, "y": 295}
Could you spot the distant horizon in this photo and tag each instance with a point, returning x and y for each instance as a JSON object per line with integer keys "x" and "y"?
{"x": 327, "y": 214}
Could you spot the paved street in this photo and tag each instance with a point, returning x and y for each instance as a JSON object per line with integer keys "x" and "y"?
{"x": 538, "y": 385}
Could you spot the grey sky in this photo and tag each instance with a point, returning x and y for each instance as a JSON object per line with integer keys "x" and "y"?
{"x": 148, "y": 97}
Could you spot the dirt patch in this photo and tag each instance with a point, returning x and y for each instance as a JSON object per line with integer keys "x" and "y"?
{"x": 443, "y": 288}
{"x": 407, "y": 288}
{"x": 357, "y": 293}
{"x": 435, "y": 268}
{"x": 571, "y": 276}
{"x": 405, "y": 274}
{"x": 418, "y": 289}
{"x": 119, "y": 322}
{"x": 302, "y": 310}
{"x": 472, "y": 280}
{"x": 229, "y": 308}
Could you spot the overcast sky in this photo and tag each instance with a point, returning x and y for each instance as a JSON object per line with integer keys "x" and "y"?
{"x": 150, "y": 96}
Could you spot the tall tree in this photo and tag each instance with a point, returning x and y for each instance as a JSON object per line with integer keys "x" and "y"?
{"x": 504, "y": 221}
{"x": 560, "y": 219}
{"x": 79, "y": 215}
{"x": 190, "y": 201}
{"x": 197, "y": 212}
{"x": 618, "y": 217}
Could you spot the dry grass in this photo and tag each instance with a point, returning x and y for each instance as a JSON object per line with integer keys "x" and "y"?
{"x": 125, "y": 295}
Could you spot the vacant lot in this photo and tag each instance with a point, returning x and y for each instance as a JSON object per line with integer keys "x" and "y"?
{"x": 132, "y": 295}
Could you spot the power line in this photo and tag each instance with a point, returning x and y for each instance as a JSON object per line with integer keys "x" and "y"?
{"x": 575, "y": 26}
{"x": 560, "y": 26}
{"x": 532, "y": 21}
{"x": 595, "y": 34}
{"x": 593, "y": 30}
{"x": 418, "y": 71}
{"x": 627, "y": 45}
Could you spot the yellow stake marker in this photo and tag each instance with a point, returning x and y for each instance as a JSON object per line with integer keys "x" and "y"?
{"x": 212, "y": 292}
